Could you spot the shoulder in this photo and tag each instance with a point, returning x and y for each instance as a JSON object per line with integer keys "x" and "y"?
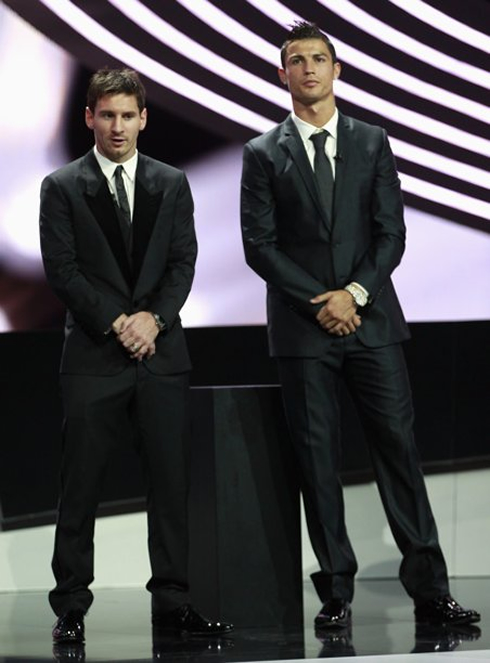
{"x": 68, "y": 171}
{"x": 360, "y": 129}
{"x": 270, "y": 139}
{"x": 153, "y": 167}
{"x": 71, "y": 177}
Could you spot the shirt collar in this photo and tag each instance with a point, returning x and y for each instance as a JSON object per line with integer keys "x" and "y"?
{"x": 108, "y": 167}
{"x": 306, "y": 129}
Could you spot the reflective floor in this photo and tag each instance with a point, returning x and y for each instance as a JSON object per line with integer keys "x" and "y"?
{"x": 118, "y": 629}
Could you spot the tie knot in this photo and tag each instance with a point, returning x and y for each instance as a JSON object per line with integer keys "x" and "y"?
{"x": 318, "y": 139}
{"x": 119, "y": 171}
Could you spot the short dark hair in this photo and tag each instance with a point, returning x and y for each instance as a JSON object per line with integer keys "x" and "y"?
{"x": 306, "y": 30}
{"x": 115, "y": 81}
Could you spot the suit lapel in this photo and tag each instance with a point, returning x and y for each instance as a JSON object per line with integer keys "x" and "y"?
{"x": 291, "y": 141}
{"x": 147, "y": 202}
{"x": 344, "y": 142}
{"x": 99, "y": 200}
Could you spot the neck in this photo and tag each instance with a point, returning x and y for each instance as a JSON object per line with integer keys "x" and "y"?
{"x": 316, "y": 114}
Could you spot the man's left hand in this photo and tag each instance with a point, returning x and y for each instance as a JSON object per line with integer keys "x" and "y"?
{"x": 338, "y": 314}
{"x": 138, "y": 333}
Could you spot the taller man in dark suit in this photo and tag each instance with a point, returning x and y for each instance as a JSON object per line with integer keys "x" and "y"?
{"x": 119, "y": 247}
{"x": 322, "y": 222}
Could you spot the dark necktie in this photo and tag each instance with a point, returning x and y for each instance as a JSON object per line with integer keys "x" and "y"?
{"x": 323, "y": 171}
{"x": 124, "y": 211}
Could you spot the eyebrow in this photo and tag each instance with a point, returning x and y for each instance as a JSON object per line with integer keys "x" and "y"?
{"x": 114, "y": 112}
{"x": 301, "y": 55}
{"x": 292, "y": 55}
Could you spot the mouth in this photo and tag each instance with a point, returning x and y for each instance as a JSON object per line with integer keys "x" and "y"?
{"x": 310, "y": 83}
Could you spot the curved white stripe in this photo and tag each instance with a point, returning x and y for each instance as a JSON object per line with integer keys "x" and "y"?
{"x": 179, "y": 42}
{"x": 437, "y": 19}
{"x": 220, "y": 21}
{"x": 439, "y": 194}
{"x": 415, "y": 49}
{"x": 457, "y": 169}
{"x": 284, "y": 16}
{"x": 413, "y": 120}
{"x": 111, "y": 44}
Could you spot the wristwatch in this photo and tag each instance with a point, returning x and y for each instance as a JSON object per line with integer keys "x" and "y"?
{"x": 159, "y": 322}
{"x": 357, "y": 293}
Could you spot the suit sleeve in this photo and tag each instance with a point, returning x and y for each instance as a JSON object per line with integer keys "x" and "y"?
{"x": 387, "y": 225}
{"x": 260, "y": 237}
{"x": 175, "y": 285}
{"x": 93, "y": 309}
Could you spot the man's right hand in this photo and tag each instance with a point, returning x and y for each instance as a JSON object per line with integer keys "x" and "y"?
{"x": 118, "y": 323}
{"x": 347, "y": 328}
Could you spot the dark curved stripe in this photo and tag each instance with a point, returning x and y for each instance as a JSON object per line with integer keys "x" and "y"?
{"x": 473, "y": 13}
{"x": 446, "y": 212}
{"x": 430, "y": 34}
{"x": 426, "y": 173}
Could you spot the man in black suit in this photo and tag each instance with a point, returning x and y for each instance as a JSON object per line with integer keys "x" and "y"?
{"x": 322, "y": 223}
{"x": 119, "y": 247}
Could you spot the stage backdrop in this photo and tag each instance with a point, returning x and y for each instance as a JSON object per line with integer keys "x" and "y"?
{"x": 421, "y": 69}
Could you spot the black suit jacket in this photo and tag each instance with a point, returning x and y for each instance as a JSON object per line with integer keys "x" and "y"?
{"x": 301, "y": 252}
{"x": 87, "y": 265}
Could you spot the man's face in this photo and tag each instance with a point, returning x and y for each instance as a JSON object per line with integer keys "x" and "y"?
{"x": 309, "y": 71}
{"x": 116, "y": 123}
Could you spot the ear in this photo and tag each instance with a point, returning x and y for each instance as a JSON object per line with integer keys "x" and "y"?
{"x": 89, "y": 118}
{"x": 143, "y": 119}
{"x": 282, "y": 76}
{"x": 337, "y": 68}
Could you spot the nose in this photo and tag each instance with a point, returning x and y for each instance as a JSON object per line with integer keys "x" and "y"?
{"x": 117, "y": 125}
{"x": 309, "y": 66}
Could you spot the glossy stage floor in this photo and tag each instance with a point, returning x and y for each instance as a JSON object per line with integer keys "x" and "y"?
{"x": 118, "y": 629}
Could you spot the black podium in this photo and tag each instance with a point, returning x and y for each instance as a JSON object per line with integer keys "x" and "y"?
{"x": 244, "y": 506}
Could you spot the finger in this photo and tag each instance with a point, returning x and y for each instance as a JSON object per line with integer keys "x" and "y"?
{"x": 325, "y": 316}
{"x": 139, "y": 354}
{"x": 135, "y": 348}
{"x": 323, "y": 297}
{"x": 334, "y": 324}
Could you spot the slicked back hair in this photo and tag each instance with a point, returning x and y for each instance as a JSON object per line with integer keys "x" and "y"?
{"x": 115, "y": 81}
{"x": 306, "y": 30}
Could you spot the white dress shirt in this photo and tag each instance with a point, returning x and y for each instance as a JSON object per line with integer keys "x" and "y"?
{"x": 306, "y": 130}
{"x": 128, "y": 174}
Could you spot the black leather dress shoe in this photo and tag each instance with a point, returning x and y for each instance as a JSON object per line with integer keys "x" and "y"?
{"x": 444, "y": 610}
{"x": 335, "y": 613}
{"x": 69, "y": 627}
{"x": 187, "y": 620}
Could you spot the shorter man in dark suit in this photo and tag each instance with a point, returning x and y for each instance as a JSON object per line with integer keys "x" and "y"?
{"x": 119, "y": 247}
{"x": 322, "y": 222}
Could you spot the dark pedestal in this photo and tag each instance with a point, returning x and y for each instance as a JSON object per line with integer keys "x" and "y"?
{"x": 245, "y": 518}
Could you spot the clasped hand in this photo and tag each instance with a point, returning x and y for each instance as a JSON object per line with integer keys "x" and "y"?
{"x": 338, "y": 315}
{"x": 137, "y": 333}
